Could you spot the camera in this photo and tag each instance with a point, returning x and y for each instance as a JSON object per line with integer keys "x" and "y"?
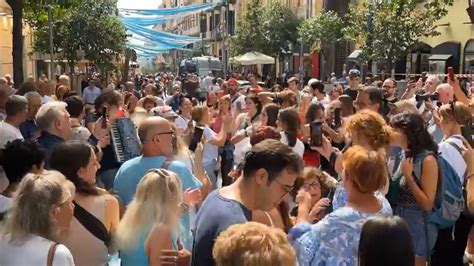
{"x": 427, "y": 96}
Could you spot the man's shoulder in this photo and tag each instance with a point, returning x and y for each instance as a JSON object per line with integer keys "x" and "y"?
{"x": 217, "y": 205}
{"x": 130, "y": 164}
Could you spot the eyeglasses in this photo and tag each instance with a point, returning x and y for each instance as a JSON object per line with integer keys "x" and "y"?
{"x": 387, "y": 87}
{"x": 285, "y": 187}
{"x": 313, "y": 185}
{"x": 166, "y": 133}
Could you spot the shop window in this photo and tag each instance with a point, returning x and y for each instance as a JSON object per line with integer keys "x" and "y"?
{"x": 469, "y": 57}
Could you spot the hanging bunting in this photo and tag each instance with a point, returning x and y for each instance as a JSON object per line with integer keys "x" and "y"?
{"x": 169, "y": 11}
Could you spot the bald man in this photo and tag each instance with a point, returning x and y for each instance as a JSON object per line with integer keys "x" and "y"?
{"x": 446, "y": 93}
{"x": 159, "y": 143}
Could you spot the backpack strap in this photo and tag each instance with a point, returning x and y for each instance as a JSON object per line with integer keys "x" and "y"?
{"x": 91, "y": 223}
{"x": 454, "y": 145}
{"x": 51, "y": 252}
{"x": 418, "y": 164}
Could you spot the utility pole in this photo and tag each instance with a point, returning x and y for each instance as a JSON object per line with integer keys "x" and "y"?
{"x": 301, "y": 62}
{"x": 51, "y": 48}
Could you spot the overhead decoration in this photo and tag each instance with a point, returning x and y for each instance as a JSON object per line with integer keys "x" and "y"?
{"x": 144, "y": 21}
{"x": 150, "y": 42}
{"x": 169, "y": 11}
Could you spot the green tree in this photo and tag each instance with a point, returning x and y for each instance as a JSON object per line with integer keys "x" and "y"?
{"x": 386, "y": 29}
{"x": 87, "y": 25}
{"x": 266, "y": 29}
{"x": 322, "y": 32}
{"x": 249, "y": 34}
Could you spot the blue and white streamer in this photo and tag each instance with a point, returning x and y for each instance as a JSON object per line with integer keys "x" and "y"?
{"x": 169, "y": 11}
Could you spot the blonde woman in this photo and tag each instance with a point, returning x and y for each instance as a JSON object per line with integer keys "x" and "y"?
{"x": 253, "y": 244}
{"x": 147, "y": 234}
{"x": 42, "y": 209}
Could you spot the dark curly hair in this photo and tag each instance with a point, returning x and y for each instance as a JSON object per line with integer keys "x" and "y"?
{"x": 18, "y": 158}
{"x": 416, "y": 132}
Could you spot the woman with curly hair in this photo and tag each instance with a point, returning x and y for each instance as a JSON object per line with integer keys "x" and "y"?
{"x": 417, "y": 180}
{"x": 367, "y": 129}
{"x": 320, "y": 186}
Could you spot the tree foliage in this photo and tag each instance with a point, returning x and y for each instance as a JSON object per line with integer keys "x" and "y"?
{"x": 322, "y": 31}
{"x": 88, "y": 25}
{"x": 386, "y": 29}
{"x": 266, "y": 29}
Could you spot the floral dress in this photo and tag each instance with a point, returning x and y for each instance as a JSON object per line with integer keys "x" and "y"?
{"x": 335, "y": 239}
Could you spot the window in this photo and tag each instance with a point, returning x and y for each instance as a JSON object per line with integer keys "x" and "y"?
{"x": 469, "y": 57}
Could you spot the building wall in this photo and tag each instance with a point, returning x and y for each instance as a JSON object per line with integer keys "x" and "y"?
{"x": 457, "y": 31}
{"x": 6, "y": 61}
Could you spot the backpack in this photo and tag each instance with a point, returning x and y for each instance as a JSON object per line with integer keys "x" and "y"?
{"x": 449, "y": 200}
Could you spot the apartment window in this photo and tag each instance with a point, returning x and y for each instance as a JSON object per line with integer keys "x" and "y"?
{"x": 469, "y": 57}
{"x": 231, "y": 22}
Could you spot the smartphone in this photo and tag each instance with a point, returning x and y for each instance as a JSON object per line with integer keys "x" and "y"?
{"x": 337, "y": 118}
{"x": 104, "y": 118}
{"x": 466, "y": 132}
{"x": 196, "y": 138}
{"x": 316, "y": 134}
{"x": 451, "y": 73}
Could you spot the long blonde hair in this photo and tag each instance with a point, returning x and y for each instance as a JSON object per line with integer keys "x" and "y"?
{"x": 32, "y": 203}
{"x": 157, "y": 190}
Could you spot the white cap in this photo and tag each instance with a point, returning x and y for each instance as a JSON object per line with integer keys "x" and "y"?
{"x": 311, "y": 81}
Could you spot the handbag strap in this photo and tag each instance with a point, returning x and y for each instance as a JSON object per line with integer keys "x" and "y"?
{"x": 91, "y": 223}
{"x": 51, "y": 252}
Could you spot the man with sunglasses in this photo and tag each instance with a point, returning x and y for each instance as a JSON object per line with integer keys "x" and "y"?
{"x": 158, "y": 142}
{"x": 268, "y": 173}
{"x": 354, "y": 83}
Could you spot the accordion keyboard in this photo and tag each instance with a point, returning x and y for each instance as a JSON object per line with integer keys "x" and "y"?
{"x": 124, "y": 139}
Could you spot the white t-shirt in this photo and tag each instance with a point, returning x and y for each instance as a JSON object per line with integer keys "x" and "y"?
{"x": 236, "y": 104}
{"x": 210, "y": 152}
{"x": 299, "y": 146}
{"x": 8, "y": 133}
{"x": 324, "y": 101}
{"x": 452, "y": 155}
{"x": 32, "y": 252}
{"x": 181, "y": 122}
{"x": 5, "y": 203}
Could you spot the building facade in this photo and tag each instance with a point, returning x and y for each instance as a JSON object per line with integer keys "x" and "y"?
{"x": 6, "y": 60}
{"x": 454, "y": 47}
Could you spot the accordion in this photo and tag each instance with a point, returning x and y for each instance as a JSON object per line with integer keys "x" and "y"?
{"x": 124, "y": 138}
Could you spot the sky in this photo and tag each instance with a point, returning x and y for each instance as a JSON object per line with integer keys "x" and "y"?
{"x": 139, "y": 4}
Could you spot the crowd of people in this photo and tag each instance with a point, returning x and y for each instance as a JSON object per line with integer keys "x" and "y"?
{"x": 230, "y": 174}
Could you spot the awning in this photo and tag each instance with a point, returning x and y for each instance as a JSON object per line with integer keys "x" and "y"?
{"x": 354, "y": 55}
{"x": 439, "y": 57}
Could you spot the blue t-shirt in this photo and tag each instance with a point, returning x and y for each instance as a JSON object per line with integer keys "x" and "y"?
{"x": 215, "y": 215}
{"x": 132, "y": 171}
